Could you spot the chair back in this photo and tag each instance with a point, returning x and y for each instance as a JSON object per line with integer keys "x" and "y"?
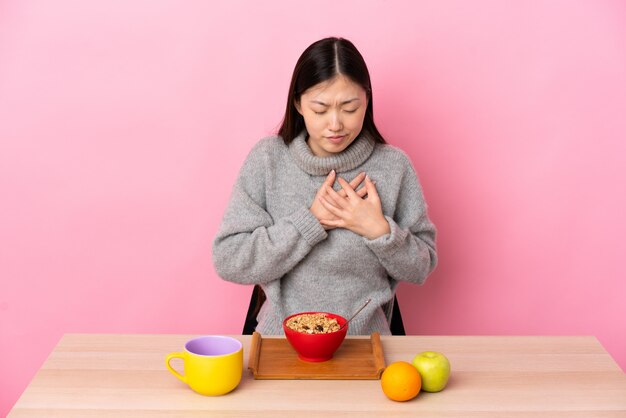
{"x": 258, "y": 298}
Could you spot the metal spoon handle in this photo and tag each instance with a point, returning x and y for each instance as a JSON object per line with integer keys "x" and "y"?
{"x": 355, "y": 314}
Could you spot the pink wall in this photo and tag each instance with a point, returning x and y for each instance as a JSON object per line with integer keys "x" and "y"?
{"x": 123, "y": 126}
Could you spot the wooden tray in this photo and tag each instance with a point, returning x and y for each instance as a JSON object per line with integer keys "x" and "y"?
{"x": 357, "y": 358}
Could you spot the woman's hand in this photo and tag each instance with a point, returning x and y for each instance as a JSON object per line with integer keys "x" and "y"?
{"x": 353, "y": 212}
{"x": 318, "y": 209}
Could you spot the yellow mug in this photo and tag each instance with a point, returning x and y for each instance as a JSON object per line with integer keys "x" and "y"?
{"x": 213, "y": 364}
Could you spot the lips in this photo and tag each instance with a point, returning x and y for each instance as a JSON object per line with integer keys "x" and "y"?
{"x": 336, "y": 139}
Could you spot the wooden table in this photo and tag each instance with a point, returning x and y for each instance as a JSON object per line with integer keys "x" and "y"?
{"x": 125, "y": 376}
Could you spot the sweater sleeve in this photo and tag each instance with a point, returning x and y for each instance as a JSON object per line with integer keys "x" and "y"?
{"x": 408, "y": 252}
{"x": 251, "y": 247}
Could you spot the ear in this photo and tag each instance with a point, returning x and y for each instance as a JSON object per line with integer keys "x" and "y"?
{"x": 298, "y": 106}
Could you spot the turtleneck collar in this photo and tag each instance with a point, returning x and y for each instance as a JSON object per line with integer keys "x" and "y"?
{"x": 350, "y": 158}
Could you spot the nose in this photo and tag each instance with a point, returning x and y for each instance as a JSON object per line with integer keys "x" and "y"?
{"x": 335, "y": 124}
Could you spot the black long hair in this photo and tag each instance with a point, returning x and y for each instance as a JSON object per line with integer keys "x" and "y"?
{"x": 320, "y": 62}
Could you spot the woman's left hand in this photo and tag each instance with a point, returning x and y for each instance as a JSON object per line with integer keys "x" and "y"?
{"x": 363, "y": 216}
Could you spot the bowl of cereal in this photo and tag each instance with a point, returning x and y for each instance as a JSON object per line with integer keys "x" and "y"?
{"x": 315, "y": 335}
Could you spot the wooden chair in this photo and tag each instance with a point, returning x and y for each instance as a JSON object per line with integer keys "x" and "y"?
{"x": 258, "y": 297}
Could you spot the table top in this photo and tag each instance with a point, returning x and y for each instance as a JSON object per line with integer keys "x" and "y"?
{"x": 95, "y": 375}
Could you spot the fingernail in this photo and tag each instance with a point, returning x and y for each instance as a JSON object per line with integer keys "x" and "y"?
{"x": 368, "y": 177}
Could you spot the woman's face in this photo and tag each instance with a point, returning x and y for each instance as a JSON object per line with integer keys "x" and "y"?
{"x": 333, "y": 113}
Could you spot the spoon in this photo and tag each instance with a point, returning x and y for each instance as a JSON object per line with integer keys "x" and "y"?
{"x": 355, "y": 314}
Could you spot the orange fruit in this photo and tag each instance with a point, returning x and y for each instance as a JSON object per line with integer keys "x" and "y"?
{"x": 401, "y": 381}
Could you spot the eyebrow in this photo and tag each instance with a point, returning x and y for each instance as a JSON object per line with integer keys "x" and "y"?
{"x": 343, "y": 103}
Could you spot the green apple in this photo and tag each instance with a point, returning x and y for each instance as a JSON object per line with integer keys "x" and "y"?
{"x": 434, "y": 368}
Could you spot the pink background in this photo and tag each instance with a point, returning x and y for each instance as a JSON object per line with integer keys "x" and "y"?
{"x": 123, "y": 126}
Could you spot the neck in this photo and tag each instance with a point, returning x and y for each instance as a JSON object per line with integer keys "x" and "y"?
{"x": 353, "y": 156}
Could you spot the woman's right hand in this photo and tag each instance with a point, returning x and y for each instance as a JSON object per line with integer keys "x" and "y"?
{"x": 319, "y": 211}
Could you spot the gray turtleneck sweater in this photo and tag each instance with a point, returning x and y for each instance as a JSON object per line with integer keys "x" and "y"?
{"x": 269, "y": 236}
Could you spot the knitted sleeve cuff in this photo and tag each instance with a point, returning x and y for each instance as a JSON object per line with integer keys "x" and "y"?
{"x": 308, "y": 225}
{"x": 385, "y": 246}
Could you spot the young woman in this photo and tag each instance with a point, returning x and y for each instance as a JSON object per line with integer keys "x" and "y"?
{"x": 325, "y": 215}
